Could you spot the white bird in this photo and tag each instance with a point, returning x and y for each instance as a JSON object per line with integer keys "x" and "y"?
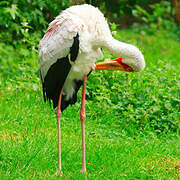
{"x": 68, "y": 52}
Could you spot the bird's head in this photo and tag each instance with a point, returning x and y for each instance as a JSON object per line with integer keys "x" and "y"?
{"x": 131, "y": 59}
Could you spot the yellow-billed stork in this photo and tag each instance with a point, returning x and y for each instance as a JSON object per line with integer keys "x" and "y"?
{"x": 68, "y": 52}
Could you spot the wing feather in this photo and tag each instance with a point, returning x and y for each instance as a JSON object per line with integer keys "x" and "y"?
{"x": 60, "y": 43}
{"x": 58, "y": 40}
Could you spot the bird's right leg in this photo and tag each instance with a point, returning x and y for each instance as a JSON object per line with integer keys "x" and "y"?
{"x": 59, "y": 131}
{"x": 83, "y": 117}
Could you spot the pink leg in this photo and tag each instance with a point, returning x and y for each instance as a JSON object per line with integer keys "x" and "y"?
{"x": 59, "y": 131}
{"x": 83, "y": 117}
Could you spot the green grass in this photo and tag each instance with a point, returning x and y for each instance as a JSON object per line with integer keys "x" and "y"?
{"x": 132, "y": 120}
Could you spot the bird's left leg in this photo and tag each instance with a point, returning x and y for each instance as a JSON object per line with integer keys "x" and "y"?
{"x": 59, "y": 131}
{"x": 83, "y": 117}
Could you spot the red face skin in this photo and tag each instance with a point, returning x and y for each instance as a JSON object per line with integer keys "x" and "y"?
{"x": 115, "y": 64}
{"x": 125, "y": 66}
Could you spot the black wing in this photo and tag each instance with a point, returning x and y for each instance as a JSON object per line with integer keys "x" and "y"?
{"x": 56, "y": 76}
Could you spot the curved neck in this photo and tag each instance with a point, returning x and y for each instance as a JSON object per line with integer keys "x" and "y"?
{"x": 120, "y": 49}
{"x": 130, "y": 54}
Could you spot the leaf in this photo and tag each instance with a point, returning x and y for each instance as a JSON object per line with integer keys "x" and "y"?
{"x": 143, "y": 11}
{"x": 12, "y": 10}
{"x": 4, "y": 3}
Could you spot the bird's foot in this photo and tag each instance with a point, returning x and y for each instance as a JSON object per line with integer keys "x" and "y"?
{"x": 59, "y": 172}
{"x": 83, "y": 170}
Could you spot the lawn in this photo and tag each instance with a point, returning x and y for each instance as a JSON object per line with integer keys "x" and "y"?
{"x": 132, "y": 120}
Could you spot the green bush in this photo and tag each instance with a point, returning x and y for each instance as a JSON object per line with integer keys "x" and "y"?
{"x": 26, "y": 21}
{"x": 158, "y": 19}
{"x": 20, "y": 19}
{"x": 148, "y": 100}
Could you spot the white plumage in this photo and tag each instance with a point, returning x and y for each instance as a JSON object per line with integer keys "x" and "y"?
{"x": 68, "y": 52}
{"x": 94, "y": 34}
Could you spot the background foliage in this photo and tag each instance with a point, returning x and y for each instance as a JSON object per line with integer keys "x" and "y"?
{"x": 27, "y": 20}
{"x": 23, "y": 22}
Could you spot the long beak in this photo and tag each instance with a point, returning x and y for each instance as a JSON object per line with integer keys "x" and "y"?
{"x": 115, "y": 64}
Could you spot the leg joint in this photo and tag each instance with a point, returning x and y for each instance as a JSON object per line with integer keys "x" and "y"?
{"x": 59, "y": 113}
{"x": 83, "y": 116}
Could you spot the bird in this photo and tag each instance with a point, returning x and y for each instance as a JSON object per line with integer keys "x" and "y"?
{"x": 68, "y": 53}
